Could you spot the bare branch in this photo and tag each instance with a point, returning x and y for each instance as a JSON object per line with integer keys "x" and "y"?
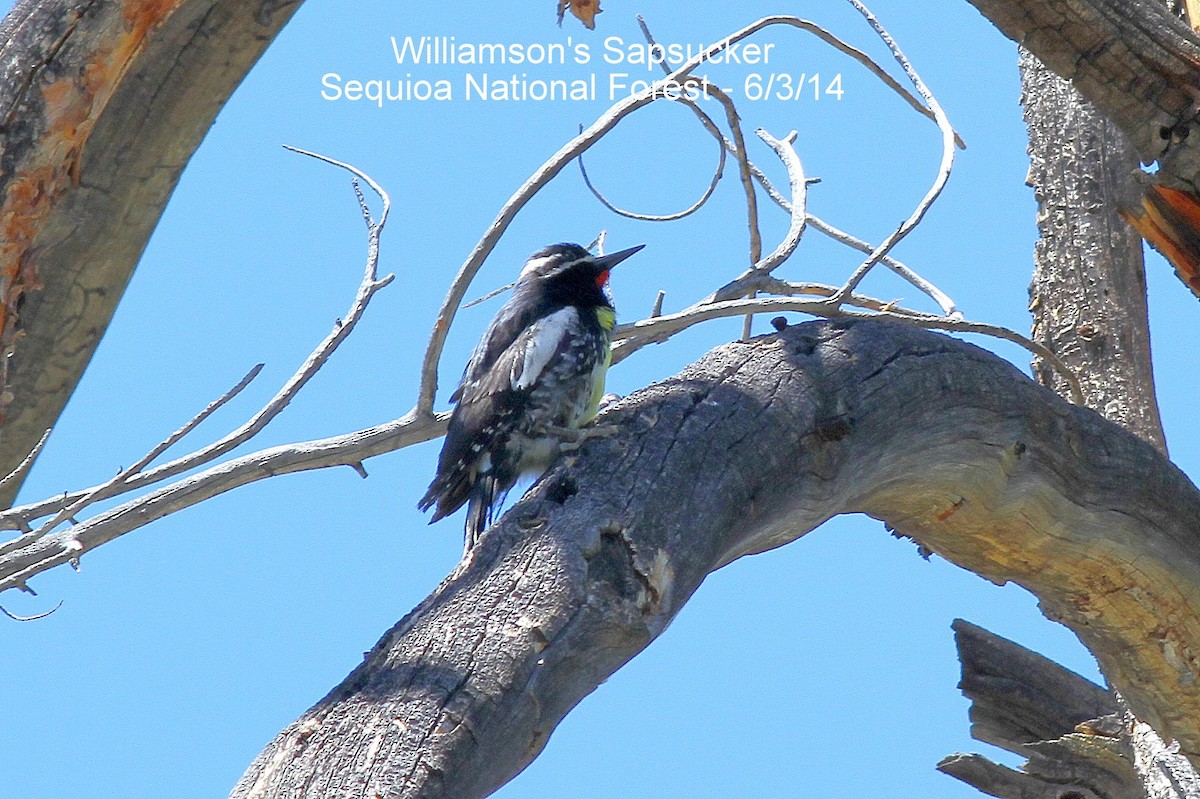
{"x": 943, "y": 174}
{"x": 18, "y": 474}
{"x": 18, "y": 517}
{"x": 68, "y": 545}
{"x": 693, "y": 208}
{"x": 106, "y": 490}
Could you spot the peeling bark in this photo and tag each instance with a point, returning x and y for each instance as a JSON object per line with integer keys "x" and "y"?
{"x": 102, "y": 103}
{"x": 755, "y": 445}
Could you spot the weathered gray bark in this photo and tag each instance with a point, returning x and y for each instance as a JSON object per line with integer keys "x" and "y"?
{"x": 1079, "y": 739}
{"x": 1088, "y": 295}
{"x": 1088, "y": 299}
{"x": 1135, "y": 60}
{"x": 1070, "y": 729}
{"x": 755, "y": 445}
{"x": 102, "y": 103}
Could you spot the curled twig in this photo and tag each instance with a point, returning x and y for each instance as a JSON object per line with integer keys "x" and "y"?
{"x": 691, "y": 209}
{"x": 944, "y": 167}
{"x": 821, "y": 33}
{"x": 34, "y": 617}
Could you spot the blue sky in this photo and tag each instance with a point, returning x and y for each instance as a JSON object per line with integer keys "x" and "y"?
{"x": 182, "y": 649}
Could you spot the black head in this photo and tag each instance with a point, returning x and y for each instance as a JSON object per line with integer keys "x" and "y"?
{"x": 572, "y": 265}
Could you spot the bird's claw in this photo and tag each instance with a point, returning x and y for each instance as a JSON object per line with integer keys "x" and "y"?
{"x": 571, "y": 439}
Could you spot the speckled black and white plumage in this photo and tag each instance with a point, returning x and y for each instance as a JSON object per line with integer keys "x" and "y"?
{"x": 540, "y": 365}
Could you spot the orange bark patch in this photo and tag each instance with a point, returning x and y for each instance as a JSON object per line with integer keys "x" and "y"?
{"x": 1170, "y": 220}
{"x": 70, "y": 108}
{"x": 141, "y": 16}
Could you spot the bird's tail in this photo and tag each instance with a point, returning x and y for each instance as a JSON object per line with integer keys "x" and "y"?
{"x": 479, "y": 510}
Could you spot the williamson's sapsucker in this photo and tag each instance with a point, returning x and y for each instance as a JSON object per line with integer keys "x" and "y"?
{"x": 538, "y": 371}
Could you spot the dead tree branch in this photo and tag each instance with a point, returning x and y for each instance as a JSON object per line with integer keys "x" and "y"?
{"x": 101, "y": 105}
{"x": 757, "y": 444}
{"x": 1135, "y": 60}
{"x": 38, "y": 550}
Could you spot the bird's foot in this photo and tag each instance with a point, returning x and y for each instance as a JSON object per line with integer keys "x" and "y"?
{"x": 571, "y": 439}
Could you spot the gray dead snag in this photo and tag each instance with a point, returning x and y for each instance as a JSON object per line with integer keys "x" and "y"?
{"x": 748, "y": 449}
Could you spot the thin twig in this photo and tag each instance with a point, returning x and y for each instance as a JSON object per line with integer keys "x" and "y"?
{"x": 944, "y": 168}
{"x": 744, "y": 174}
{"x": 743, "y": 159}
{"x": 799, "y": 187}
{"x": 489, "y": 295}
{"x": 105, "y": 490}
{"x": 937, "y": 295}
{"x": 658, "y": 303}
{"x": 789, "y": 288}
{"x": 691, "y": 209}
{"x": 18, "y": 518}
{"x": 839, "y": 45}
{"x": 34, "y": 617}
{"x": 648, "y": 331}
{"x": 19, "y": 472}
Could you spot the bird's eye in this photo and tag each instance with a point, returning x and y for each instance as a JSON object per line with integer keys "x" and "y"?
{"x": 602, "y": 279}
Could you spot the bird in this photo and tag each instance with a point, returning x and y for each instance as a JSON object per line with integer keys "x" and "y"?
{"x": 535, "y": 377}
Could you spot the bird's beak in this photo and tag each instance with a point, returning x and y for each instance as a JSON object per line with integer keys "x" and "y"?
{"x": 606, "y": 262}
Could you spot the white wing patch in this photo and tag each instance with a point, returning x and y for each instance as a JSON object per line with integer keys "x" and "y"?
{"x": 546, "y": 337}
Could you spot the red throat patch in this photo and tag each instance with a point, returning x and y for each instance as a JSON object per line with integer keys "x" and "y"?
{"x": 602, "y": 279}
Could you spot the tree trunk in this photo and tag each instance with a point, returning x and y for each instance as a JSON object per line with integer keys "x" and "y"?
{"x": 1088, "y": 299}
{"x": 755, "y": 445}
{"x": 1088, "y": 295}
{"x": 101, "y": 106}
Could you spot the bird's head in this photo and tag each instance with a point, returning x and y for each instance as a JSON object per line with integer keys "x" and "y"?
{"x": 570, "y": 264}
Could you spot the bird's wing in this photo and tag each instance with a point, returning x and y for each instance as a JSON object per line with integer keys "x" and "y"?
{"x": 518, "y": 366}
{"x": 510, "y": 322}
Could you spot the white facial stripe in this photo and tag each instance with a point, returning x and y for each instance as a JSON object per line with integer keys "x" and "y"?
{"x": 534, "y": 264}
{"x": 542, "y": 345}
